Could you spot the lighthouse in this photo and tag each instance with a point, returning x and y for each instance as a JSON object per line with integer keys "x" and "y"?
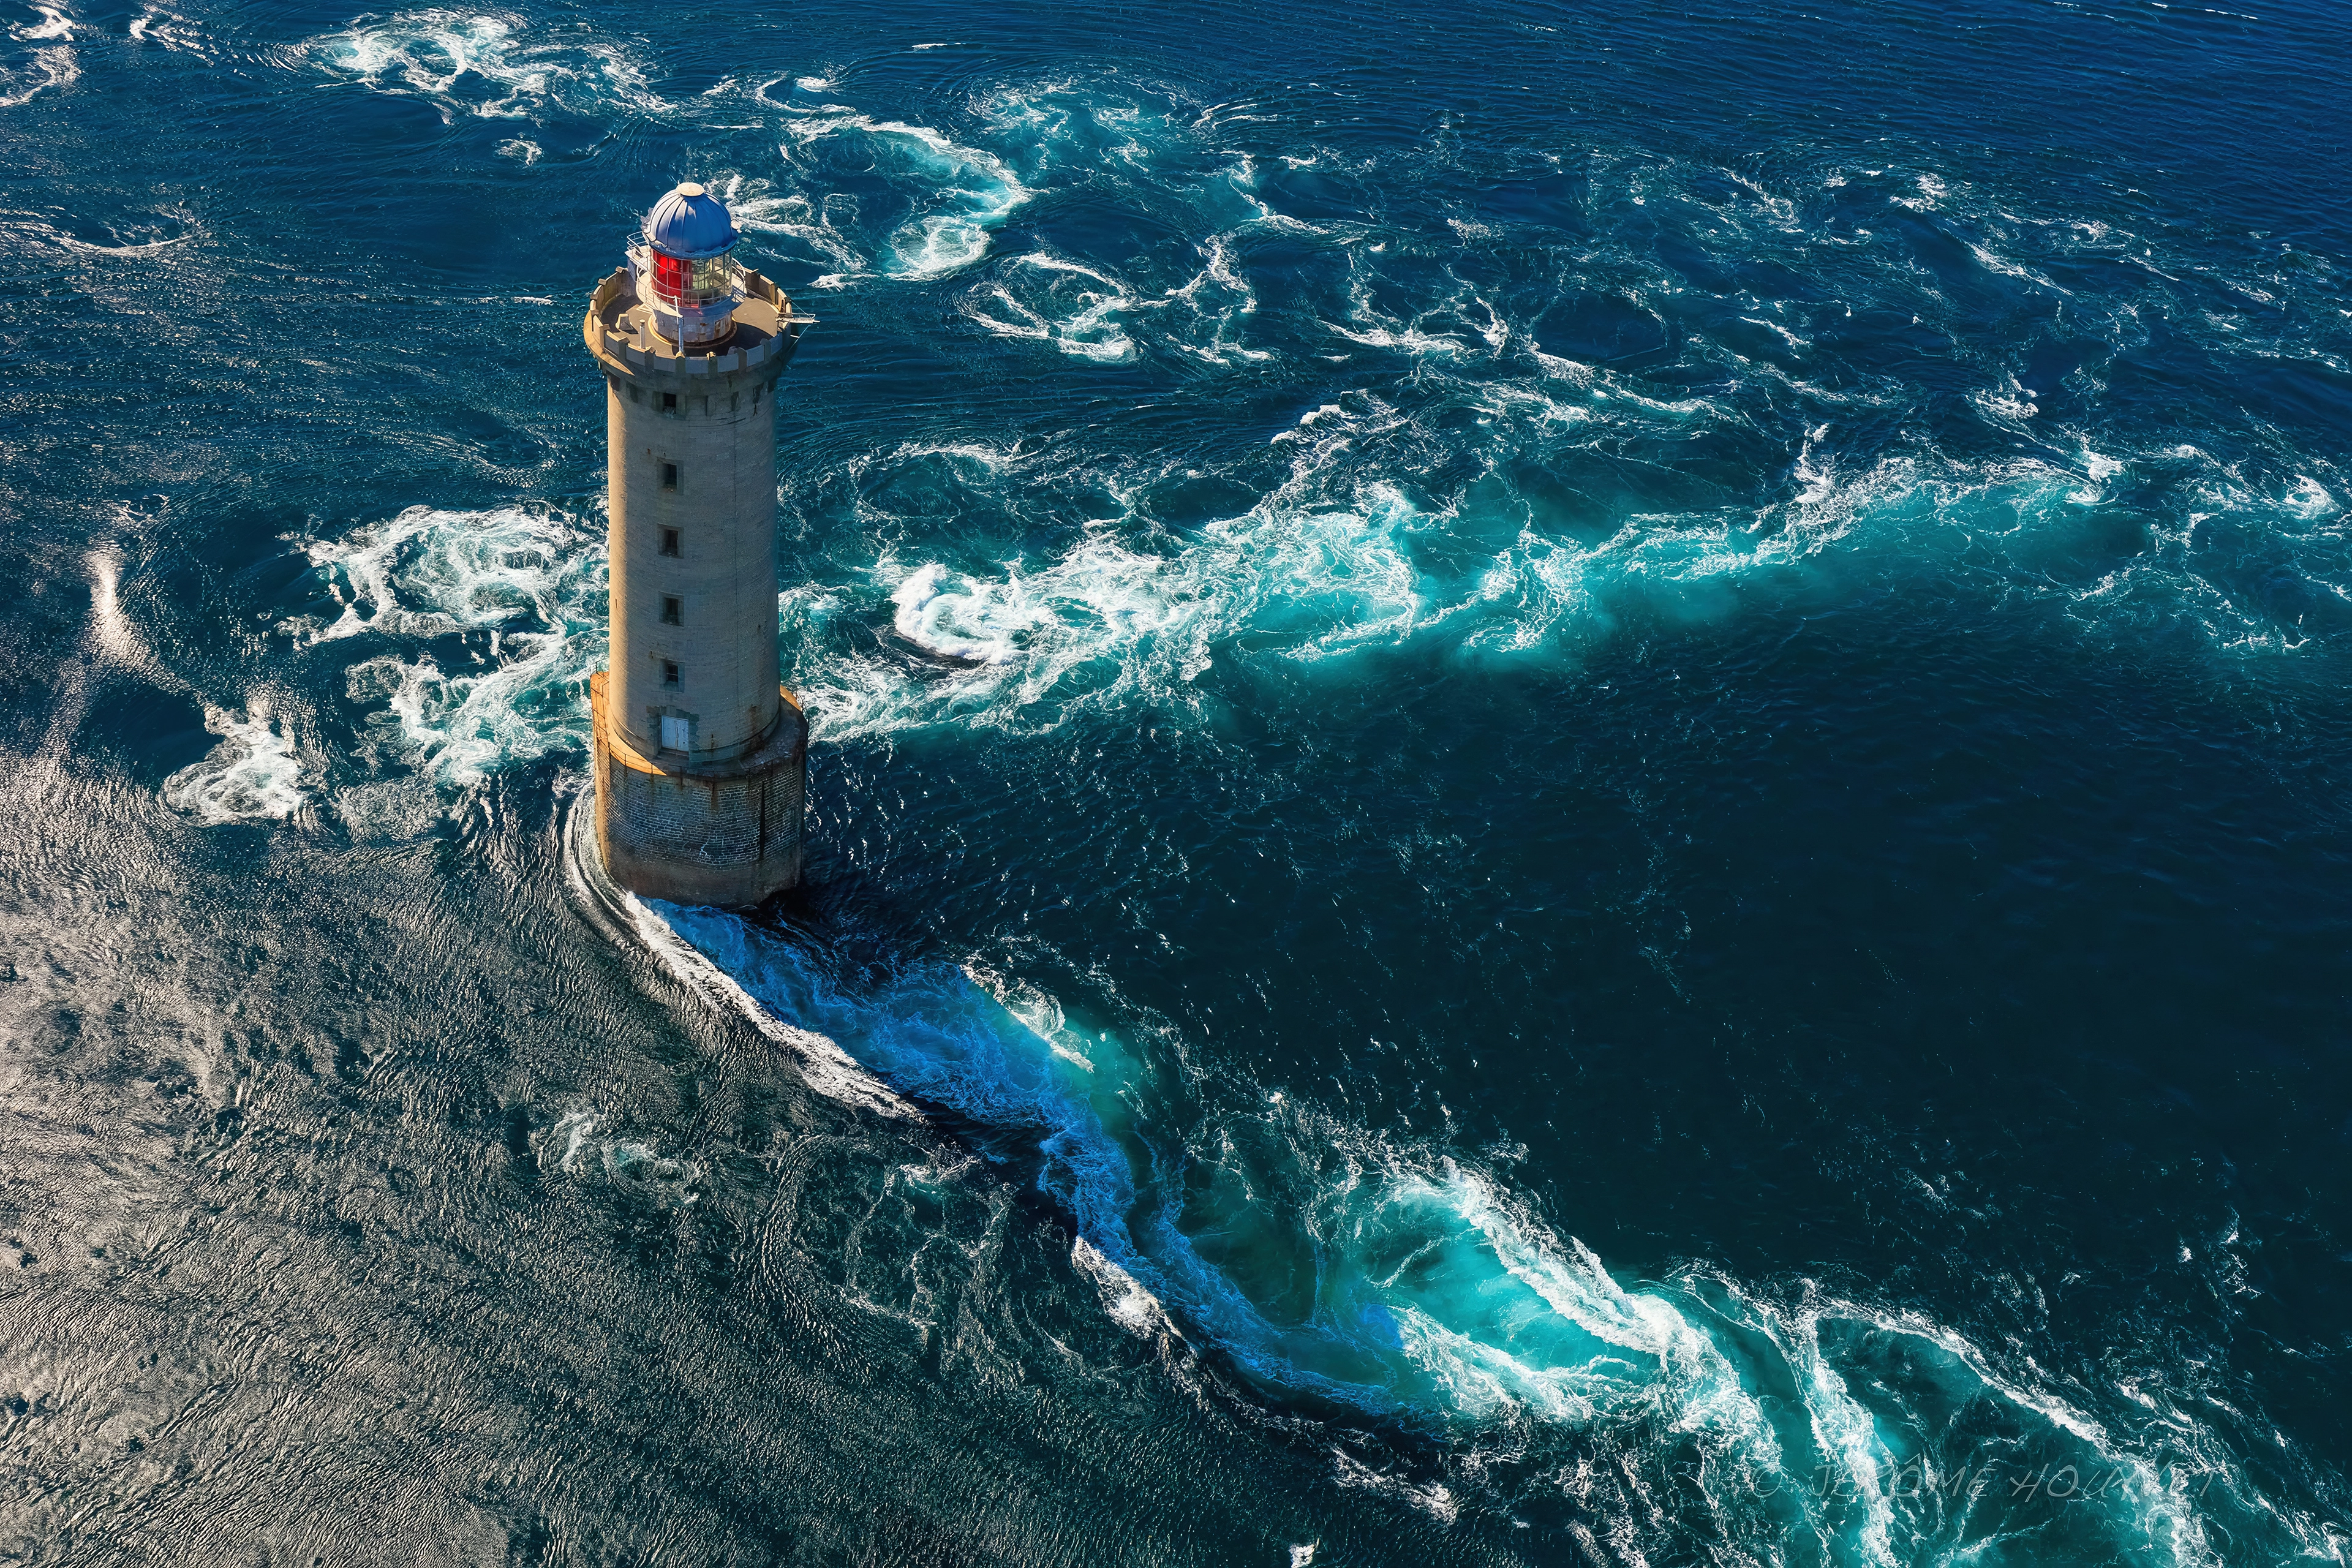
{"x": 700, "y": 752}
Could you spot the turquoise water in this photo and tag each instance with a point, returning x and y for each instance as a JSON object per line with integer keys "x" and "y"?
{"x": 1573, "y": 795}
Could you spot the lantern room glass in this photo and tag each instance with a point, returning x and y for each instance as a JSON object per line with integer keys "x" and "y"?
{"x": 687, "y": 285}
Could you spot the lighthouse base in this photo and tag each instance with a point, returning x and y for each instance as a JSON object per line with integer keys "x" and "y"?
{"x": 727, "y": 834}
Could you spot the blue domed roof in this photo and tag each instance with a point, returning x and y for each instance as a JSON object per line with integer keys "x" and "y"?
{"x": 690, "y": 223}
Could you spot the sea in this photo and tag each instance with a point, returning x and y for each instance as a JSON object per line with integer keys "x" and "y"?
{"x": 1577, "y": 791}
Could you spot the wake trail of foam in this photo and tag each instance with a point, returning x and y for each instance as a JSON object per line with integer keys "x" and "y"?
{"x": 1127, "y": 617}
{"x": 1439, "y": 1296}
{"x": 621, "y": 915}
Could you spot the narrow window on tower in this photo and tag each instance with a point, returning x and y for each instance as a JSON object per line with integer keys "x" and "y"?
{"x": 669, "y": 403}
{"x": 669, "y": 541}
{"x": 670, "y": 674}
{"x": 637, "y": 394}
{"x": 673, "y": 611}
{"x": 669, "y": 476}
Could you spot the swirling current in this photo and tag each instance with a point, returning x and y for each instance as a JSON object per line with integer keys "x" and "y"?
{"x": 1577, "y": 794}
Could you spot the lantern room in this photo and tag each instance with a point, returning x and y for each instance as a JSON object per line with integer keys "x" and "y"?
{"x": 684, "y": 274}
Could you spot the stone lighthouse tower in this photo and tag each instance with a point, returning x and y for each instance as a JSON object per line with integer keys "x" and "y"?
{"x": 700, "y": 754}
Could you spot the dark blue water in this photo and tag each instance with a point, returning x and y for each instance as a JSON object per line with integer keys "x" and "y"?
{"x": 1577, "y": 794}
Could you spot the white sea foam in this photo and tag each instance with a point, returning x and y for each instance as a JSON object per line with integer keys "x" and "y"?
{"x": 955, "y": 195}
{"x": 54, "y": 24}
{"x": 1131, "y": 1306}
{"x": 254, "y": 774}
{"x": 1074, "y": 308}
{"x": 712, "y": 971}
{"x": 1931, "y": 192}
{"x": 170, "y": 30}
{"x": 429, "y": 53}
{"x": 516, "y": 594}
{"x": 50, "y": 65}
{"x": 2007, "y": 404}
{"x": 1078, "y": 124}
{"x": 827, "y": 227}
{"x": 1441, "y": 1293}
{"x": 2132, "y": 1477}
{"x": 1116, "y": 132}
{"x": 1213, "y": 310}
{"x": 1432, "y": 1497}
{"x": 1107, "y": 625}
{"x": 180, "y": 228}
{"x": 1092, "y": 313}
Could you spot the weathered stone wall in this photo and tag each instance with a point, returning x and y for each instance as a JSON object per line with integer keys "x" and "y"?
{"x": 696, "y": 453}
{"x": 726, "y": 834}
{"x": 691, "y": 446}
